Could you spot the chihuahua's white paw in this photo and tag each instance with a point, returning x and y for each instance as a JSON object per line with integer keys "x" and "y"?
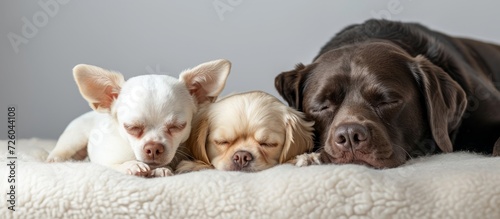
{"x": 307, "y": 160}
{"x": 135, "y": 168}
{"x": 57, "y": 157}
{"x": 161, "y": 172}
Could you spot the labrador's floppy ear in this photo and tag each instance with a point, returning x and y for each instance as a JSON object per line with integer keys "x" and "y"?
{"x": 98, "y": 86}
{"x": 196, "y": 143}
{"x": 206, "y": 81}
{"x": 445, "y": 100}
{"x": 299, "y": 135}
{"x": 289, "y": 84}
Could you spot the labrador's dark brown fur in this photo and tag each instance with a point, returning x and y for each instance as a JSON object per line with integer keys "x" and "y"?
{"x": 382, "y": 92}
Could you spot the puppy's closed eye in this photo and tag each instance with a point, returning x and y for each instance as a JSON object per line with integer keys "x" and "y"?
{"x": 134, "y": 130}
{"x": 174, "y": 128}
{"x": 222, "y": 142}
{"x": 271, "y": 145}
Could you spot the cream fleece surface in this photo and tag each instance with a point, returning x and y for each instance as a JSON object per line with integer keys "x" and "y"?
{"x": 457, "y": 185}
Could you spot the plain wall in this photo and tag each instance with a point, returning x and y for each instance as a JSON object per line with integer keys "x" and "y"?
{"x": 260, "y": 37}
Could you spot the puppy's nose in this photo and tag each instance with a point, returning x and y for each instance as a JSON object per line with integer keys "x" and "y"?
{"x": 351, "y": 136}
{"x": 242, "y": 158}
{"x": 153, "y": 149}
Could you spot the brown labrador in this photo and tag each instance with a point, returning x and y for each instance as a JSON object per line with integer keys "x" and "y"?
{"x": 382, "y": 92}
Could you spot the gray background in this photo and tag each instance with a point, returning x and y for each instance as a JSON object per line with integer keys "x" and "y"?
{"x": 261, "y": 38}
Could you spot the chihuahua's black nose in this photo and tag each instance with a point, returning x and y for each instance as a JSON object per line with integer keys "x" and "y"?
{"x": 153, "y": 149}
{"x": 242, "y": 158}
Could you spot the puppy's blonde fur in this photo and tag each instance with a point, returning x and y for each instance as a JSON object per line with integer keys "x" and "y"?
{"x": 254, "y": 126}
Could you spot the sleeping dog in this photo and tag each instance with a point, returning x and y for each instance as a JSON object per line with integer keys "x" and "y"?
{"x": 137, "y": 125}
{"x": 382, "y": 92}
{"x": 246, "y": 132}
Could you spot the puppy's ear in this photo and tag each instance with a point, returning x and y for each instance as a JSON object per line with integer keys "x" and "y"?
{"x": 196, "y": 142}
{"x": 206, "y": 81}
{"x": 299, "y": 136}
{"x": 445, "y": 100}
{"x": 289, "y": 84}
{"x": 98, "y": 86}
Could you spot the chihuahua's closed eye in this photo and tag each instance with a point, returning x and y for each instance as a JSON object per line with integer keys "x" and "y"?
{"x": 246, "y": 132}
{"x": 137, "y": 125}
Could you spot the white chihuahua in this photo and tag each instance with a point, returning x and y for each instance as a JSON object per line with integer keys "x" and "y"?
{"x": 137, "y": 125}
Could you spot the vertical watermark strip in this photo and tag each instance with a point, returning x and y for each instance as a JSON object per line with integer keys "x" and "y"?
{"x": 11, "y": 157}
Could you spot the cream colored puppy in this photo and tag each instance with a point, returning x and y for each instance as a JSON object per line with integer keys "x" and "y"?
{"x": 137, "y": 125}
{"x": 246, "y": 132}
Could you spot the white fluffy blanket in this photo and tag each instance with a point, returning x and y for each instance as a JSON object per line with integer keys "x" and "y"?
{"x": 458, "y": 185}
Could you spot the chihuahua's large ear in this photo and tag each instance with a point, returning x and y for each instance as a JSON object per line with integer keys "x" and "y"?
{"x": 299, "y": 135}
{"x": 445, "y": 100}
{"x": 196, "y": 142}
{"x": 290, "y": 84}
{"x": 206, "y": 81}
{"x": 98, "y": 86}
